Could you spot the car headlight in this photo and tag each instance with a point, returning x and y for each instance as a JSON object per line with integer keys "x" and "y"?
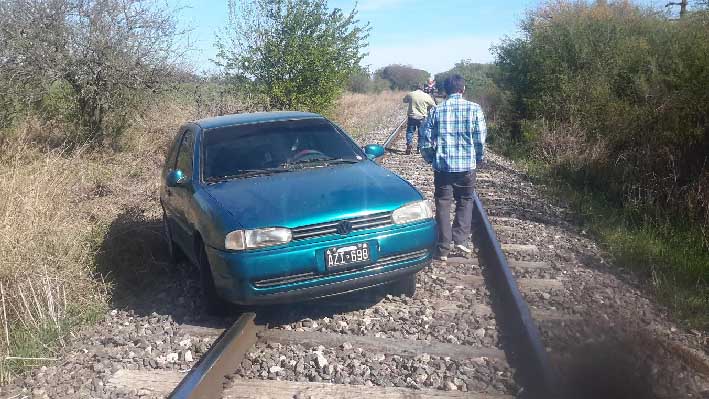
{"x": 257, "y": 238}
{"x": 413, "y": 212}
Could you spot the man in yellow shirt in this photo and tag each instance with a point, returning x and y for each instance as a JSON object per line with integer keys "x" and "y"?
{"x": 419, "y": 105}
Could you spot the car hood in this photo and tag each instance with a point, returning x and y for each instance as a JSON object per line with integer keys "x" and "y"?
{"x": 312, "y": 195}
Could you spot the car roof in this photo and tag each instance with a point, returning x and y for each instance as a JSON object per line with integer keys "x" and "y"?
{"x": 254, "y": 117}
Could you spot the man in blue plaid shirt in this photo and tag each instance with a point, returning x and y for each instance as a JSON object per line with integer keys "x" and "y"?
{"x": 453, "y": 142}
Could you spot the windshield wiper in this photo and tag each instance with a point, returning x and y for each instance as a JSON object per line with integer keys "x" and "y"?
{"x": 245, "y": 173}
{"x": 319, "y": 161}
{"x": 333, "y": 161}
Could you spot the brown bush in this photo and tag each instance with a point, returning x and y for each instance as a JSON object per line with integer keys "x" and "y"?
{"x": 566, "y": 145}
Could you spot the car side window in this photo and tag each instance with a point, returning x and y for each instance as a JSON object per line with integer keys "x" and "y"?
{"x": 185, "y": 154}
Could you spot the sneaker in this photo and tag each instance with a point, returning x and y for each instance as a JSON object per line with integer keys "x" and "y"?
{"x": 441, "y": 258}
{"x": 463, "y": 249}
{"x": 408, "y": 149}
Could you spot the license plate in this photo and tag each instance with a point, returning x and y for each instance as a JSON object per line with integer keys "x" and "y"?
{"x": 353, "y": 254}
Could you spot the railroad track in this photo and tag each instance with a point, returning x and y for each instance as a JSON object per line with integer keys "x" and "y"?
{"x": 467, "y": 333}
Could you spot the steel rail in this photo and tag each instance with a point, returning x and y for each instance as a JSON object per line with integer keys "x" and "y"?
{"x": 206, "y": 379}
{"x": 536, "y": 371}
{"x": 394, "y": 135}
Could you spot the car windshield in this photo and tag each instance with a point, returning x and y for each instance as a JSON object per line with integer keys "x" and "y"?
{"x": 272, "y": 147}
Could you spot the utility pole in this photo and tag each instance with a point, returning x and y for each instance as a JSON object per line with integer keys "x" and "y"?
{"x": 682, "y": 7}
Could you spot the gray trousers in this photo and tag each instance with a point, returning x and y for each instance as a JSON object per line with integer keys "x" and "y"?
{"x": 449, "y": 186}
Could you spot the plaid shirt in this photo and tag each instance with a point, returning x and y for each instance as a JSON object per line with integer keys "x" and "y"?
{"x": 453, "y": 138}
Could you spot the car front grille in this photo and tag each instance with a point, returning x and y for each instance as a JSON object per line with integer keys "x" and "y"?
{"x": 370, "y": 221}
{"x": 297, "y": 278}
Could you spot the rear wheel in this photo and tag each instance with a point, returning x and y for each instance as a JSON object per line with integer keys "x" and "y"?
{"x": 406, "y": 286}
{"x": 215, "y": 304}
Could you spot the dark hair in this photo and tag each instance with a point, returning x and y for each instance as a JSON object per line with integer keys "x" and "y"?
{"x": 454, "y": 84}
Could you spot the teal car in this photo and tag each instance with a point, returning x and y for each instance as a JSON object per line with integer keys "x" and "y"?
{"x": 275, "y": 207}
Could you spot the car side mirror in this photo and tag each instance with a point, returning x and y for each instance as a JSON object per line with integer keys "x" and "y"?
{"x": 175, "y": 178}
{"x": 374, "y": 151}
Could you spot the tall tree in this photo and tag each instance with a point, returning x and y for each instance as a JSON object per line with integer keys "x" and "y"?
{"x": 403, "y": 77}
{"x": 295, "y": 54}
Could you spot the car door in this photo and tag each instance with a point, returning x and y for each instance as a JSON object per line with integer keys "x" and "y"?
{"x": 181, "y": 195}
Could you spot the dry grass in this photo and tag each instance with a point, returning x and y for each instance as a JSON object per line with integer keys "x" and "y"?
{"x": 46, "y": 245}
{"x": 56, "y": 212}
{"x": 364, "y": 113}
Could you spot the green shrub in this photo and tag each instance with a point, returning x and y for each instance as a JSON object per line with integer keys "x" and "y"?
{"x": 625, "y": 88}
{"x": 378, "y": 85}
{"x": 362, "y": 81}
{"x": 359, "y": 81}
{"x": 296, "y": 54}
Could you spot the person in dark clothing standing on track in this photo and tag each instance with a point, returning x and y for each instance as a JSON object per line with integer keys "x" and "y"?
{"x": 453, "y": 142}
{"x": 430, "y": 88}
{"x": 419, "y": 105}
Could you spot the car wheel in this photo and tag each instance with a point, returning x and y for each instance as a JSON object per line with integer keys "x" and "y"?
{"x": 216, "y": 306}
{"x": 173, "y": 253}
{"x": 406, "y": 286}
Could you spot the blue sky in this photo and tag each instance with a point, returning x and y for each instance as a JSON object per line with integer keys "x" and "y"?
{"x": 427, "y": 34}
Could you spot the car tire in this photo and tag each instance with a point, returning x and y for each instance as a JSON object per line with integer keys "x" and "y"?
{"x": 216, "y": 306}
{"x": 406, "y": 286}
{"x": 174, "y": 255}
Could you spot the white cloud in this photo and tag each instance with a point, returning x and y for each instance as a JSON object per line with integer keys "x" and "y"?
{"x": 433, "y": 55}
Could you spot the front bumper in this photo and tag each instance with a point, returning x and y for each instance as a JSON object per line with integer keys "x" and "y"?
{"x": 298, "y": 272}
